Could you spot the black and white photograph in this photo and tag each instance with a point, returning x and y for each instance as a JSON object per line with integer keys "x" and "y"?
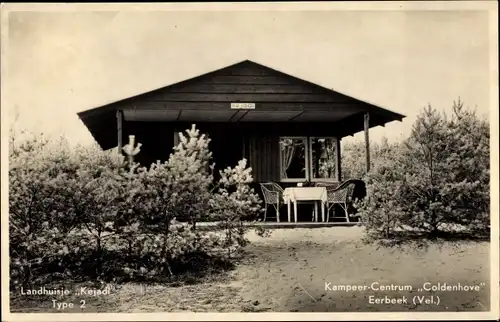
{"x": 250, "y": 161}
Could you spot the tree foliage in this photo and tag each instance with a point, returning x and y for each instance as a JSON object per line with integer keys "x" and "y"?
{"x": 437, "y": 180}
{"x": 86, "y": 212}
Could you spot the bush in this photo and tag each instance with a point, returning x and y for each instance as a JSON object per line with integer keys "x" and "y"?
{"x": 437, "y": 181}
{"x": 177, "y": 188}
{"x": 448, "y": 170}
{"x": 353, "y": 157}
{"x": 381, "y": 211}
{"x": 183, "y": 188}
{"x": 234, "y": 200}
{"x": 54, "y": 193}
{"x": 89, "y": 214}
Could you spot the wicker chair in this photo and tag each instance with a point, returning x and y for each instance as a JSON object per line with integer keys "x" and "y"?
{"x": 273, "y": 195}
{"x": 340, "y": 194}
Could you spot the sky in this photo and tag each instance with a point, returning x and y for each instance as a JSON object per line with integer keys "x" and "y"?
{"x": 61, "y": 63}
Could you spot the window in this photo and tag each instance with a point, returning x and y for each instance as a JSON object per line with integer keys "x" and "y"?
{"x": 293, "y": 159}
{"x": 313, "y": 159}
{"x": 323, "y": 158}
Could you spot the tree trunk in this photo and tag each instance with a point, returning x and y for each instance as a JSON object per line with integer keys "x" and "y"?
{"x": 98, "y": 253}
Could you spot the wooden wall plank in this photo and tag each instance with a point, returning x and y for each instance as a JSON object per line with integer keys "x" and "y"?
{"x": 239, "y": 88}
{"x": 228, "y": 79}
{"x": 276, "y": 158}
{"x": 262, "y": 147}
{"x": 149, "y": 135}
{"x": 261, "y": 106}
{"x": 253, "y": 157}
{"x": 264, "y": 157}
{"x": 254, "y": 97}
{"x": 247, "y": 70}
{"x": 259, "y": 128}
{"x": 261, "y": 158}
{"x": 267, "y": 157}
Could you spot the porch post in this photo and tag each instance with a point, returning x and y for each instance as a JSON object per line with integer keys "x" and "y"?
{"x": 339, "y": 160}
{"x": 367, "y": 142}
{"x": 119, "y": 126}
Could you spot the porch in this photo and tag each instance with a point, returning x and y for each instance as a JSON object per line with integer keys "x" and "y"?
{"x": 280, "y": 225}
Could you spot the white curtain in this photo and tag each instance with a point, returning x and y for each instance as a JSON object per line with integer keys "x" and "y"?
{"x": 287, "y": 153}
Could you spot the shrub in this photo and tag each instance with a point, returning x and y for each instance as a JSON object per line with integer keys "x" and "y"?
{"x": 234, "y": 200}
{"x": 31, "y": 224}
{"x": 182, "y": 189}
{"x": 177, "y": 188}
{"x": 381, "y": 211}
{"x": 54, "y": 193}
{"x": 191, "y": 175}
{"x": 448, "y": 170}
{"x": 353, "y": 156}
{"x": 93, "y": 195}
{"x": 437, "y": 180}
{"x": 87, "y": 213}
{"x": 352, "y": 160}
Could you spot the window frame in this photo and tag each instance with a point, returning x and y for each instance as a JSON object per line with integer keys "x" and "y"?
{"x": 335, "y": 142}
{"x": 306, "y": 157}
{"x": 308, "y": 140}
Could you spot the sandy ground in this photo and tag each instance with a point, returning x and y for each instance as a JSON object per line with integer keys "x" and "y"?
{"x": 287, "y": 272}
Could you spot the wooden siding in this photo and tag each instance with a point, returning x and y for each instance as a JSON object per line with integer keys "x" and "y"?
{"x": 257, "y": 128}
{"x": 246, "y": 82}
{"x": 246, "y": 97}
{"x": 245, "y": 88}
{"x": 246, "y": 69}
{"x": 139, "y": 104}
{"x": 229, "y": 144}
{"x": 256, "y": 80}
{"x": 157, "y": 140}
{"x": 264, "y": 157}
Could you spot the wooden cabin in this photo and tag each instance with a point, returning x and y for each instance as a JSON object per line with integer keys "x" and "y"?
{"x": 287, "y": 128}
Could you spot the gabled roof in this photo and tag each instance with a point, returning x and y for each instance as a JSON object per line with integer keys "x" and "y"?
{"x": 278, "y": 97}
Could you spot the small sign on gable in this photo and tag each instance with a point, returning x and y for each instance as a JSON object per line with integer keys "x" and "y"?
{"x": 243, "y": 106}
